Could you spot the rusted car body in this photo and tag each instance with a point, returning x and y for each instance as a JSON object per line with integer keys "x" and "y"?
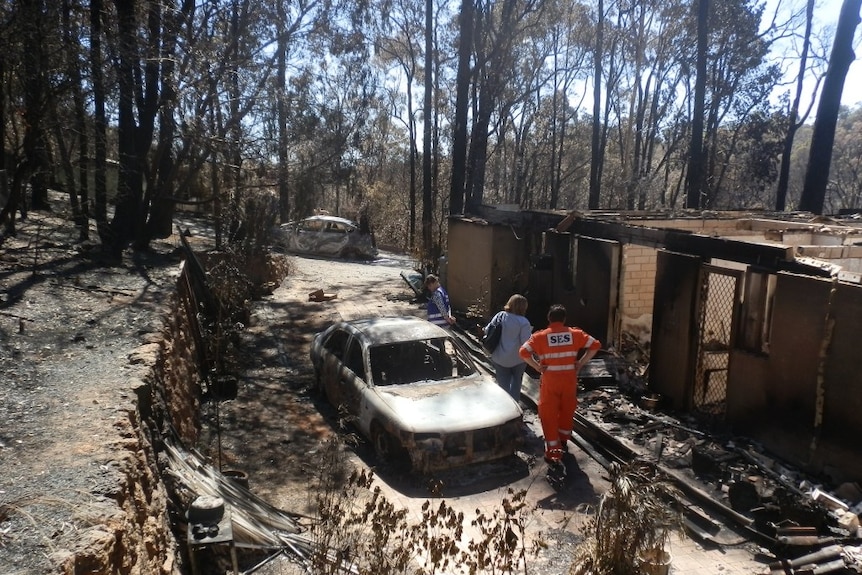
{"x": 327, "y": 236}
{"x": 414, "y": 392}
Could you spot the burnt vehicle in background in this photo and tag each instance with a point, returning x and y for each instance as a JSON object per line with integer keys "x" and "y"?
{"x": 326, "y": 236}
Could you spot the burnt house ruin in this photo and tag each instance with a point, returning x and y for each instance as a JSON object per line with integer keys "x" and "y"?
{"x": 753, "y": 320}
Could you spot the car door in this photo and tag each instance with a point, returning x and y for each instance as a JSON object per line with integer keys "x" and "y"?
{"x": 343, "y": 371}
{"x": 306, "y": 236}
{"x": 332, "y": 238}
{"x": 353, "y": 377}
{"x": 332, "y": 364}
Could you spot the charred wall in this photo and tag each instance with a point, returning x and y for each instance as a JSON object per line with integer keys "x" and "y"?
{"x": 673, "y": 345}
{"x": 802, "y": 398}
{"x": 486, "y": 264}
{"x": 843, "y": 399}
{"x": 469, "y": 269}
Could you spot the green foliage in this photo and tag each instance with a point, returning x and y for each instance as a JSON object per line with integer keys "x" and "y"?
{"x": 213, "y": 120}
{"x": 749, "y": 153}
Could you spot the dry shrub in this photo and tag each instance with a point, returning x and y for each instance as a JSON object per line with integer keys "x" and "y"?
{"x": 633, "y": 517}
{"x": 361, "y": 532}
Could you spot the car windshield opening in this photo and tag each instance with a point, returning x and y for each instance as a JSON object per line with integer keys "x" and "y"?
{"x": 420, "y": 360}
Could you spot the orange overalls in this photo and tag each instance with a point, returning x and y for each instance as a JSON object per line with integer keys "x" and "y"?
{"x": 557, "y": 348}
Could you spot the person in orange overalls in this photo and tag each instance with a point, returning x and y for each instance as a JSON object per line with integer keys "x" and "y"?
{"x": 553, "y": 352}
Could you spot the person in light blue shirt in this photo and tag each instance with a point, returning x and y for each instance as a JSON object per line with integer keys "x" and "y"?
{"x": 509, "y": 367}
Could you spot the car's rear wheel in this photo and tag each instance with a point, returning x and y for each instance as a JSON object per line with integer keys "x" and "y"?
{"x": 389, "y": 449}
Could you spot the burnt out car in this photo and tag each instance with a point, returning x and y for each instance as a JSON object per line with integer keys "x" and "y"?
{"x": 415, "y": 393}
{"x": 327, "y": 236}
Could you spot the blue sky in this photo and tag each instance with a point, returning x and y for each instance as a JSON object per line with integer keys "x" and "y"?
{"x": 826, "y": 14}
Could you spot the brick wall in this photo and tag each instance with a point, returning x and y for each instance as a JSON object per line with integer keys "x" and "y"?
{"x": 638, "y": 281}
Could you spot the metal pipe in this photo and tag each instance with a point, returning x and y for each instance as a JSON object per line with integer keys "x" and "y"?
{"x": 825, "y": 553}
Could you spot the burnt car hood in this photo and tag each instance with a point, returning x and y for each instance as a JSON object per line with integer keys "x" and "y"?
{"x": 451, "y": 406}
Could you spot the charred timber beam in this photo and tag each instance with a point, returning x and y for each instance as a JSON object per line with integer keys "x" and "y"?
{"x": 771, "y": 257}
{"x": 707, "y": 247}
{"x": 766, "y": 256}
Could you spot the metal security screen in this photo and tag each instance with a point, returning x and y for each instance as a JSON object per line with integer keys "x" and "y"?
{"x": 716, "y": 326}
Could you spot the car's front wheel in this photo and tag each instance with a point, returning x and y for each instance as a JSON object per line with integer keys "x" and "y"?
{"x": 389, "y": 449}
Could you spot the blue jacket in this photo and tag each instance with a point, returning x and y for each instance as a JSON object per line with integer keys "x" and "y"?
{"x": 439, "y": 308}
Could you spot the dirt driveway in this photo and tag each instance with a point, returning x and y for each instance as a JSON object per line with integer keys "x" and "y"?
{"x": 274, "y": 428}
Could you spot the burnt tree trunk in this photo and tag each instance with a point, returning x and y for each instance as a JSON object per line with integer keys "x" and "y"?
{"x": 462, "y": 102}
{"x": 595, "y": 143}
{"x": 823, "y": 137}
{"x": 793, "y": 123}
{"x": 426, "y": 131}
{"x": 35, "y": 98}
{"x": 696, "y": 161}
{"x": 129, "y": 197}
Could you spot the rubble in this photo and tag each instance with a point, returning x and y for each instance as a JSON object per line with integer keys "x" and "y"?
{"x": 732, "y": 482}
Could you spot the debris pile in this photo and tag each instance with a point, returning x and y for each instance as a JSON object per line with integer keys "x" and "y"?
{"x": 731, "y": 483}
{"x": 254, "y": 523}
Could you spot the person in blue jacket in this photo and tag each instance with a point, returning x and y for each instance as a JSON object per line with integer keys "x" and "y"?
{"x": 509, "y": 367}
{"x": 439, "y": 308}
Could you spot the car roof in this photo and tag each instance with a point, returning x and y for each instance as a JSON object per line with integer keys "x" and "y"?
{"x": 335, "y": 219}
{"x": 383, "y": 330}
